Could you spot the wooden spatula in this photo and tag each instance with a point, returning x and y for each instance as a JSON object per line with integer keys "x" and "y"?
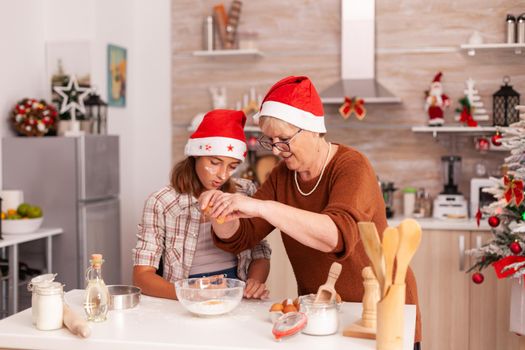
{"x": 409, "y": 239}
{"x": 372, "y": 244}
{"x": 326, "y": 292}
{"x": 390, "y": 245}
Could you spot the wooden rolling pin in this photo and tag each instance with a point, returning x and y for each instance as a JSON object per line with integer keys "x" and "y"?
{"x": 75, "y": 323}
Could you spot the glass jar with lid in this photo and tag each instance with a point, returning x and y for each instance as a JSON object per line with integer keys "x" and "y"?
{"x": 323, "y": 318}
{"x": 31, "y": 286}
{"x": 50, "y": 306}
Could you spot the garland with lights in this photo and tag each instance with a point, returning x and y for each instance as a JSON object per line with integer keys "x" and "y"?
{"x": 32, "y": 117}
{"x": 505, "y": 252}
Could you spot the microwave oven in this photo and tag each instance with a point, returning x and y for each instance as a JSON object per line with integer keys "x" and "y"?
{"x": 478, "y": 198}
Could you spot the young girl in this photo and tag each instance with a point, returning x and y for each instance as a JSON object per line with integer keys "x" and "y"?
{"x": 175, "y": 229}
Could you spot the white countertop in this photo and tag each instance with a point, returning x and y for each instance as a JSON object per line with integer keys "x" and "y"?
{"x": 164, "y": 324}
{"x": 445, "y": 224}
{"x": 12, "y": 239}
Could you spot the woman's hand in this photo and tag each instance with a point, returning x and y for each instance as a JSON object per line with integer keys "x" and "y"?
{"x": 255, "y": 289}
{"x": 229, "y": 206}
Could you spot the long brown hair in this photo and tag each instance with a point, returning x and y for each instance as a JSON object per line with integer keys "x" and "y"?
{"x": 185, "y": 180}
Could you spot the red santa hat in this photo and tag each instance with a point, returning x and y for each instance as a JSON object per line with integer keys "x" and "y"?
{"x": 221, "y": 133}
{"x": 437, "y": 78}
{"x": 295, "y": 101}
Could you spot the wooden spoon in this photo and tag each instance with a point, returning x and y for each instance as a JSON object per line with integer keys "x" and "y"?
{"x": 372, "y": 245}
{"x": 409, "y": 240}
{"x": 390, "y": 245}
{"x": 326, "y": 292}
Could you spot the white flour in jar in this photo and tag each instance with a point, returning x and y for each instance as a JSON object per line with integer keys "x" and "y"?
{"x": 49, "y": 308}
{"x": 322, "y": 321}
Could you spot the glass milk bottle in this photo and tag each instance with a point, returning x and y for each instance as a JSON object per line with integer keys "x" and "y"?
{"x": 97, "y": 296}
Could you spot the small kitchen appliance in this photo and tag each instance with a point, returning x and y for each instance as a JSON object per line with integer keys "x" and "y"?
{"x": 388, "y": 189}
{"x": 478, "y": 198}
{"x": 450, "y": 204}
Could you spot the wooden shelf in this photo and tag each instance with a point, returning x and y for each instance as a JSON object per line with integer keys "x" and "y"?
{"x": 478, "y": 130}
{"x": 471, "y": 49}
{"x": 228, "y": 53}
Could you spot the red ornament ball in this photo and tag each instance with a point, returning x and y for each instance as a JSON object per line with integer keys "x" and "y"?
{"x": 496, "y": 139}
{"x": 482, "y": 144}
{"x": 478, "y": 278}
{"x": 493, "y": 221}
{"x": 515, "y": 247}
{"x": 252, "y": 141}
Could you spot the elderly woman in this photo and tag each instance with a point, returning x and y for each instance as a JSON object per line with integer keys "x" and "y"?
{"x": 315, "y": 197}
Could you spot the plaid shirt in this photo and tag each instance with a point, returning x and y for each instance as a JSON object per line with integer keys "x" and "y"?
{"x": 171, "y": 224}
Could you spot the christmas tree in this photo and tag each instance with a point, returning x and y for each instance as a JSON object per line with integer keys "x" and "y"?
{"x": 505, "y": 252}
{"x": 472, "y": 109}
{"x": 479, "y": 112}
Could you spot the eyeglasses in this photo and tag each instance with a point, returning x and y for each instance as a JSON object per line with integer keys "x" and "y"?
{"x": 282, "y": 146}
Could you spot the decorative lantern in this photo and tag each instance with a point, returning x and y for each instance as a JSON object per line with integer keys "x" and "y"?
{"x": 504, "y": 102}
{"x": 96, "y": 110}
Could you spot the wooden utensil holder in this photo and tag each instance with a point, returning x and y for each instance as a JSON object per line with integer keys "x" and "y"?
{"x": 390, "y": 319}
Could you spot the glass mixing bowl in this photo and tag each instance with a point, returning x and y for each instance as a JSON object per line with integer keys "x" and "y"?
{"x": 209, "y": 296}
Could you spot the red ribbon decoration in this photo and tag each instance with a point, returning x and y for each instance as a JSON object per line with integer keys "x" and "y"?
{"x": 478, "y": 216}
{"x": 502, "y": 263}
{"x": 353, "y": 105}
{"x": 466, "y": 117}
{"x": 513, "y": 188}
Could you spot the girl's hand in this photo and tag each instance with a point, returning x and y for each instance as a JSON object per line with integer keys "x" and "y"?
{"x": 255, "y": 290}
{"x": 207, "y": 200}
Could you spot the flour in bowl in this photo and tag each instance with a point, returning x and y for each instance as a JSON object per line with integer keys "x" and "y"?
{"x": 212, "y": 307}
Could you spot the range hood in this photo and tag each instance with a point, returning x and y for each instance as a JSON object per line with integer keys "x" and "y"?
{"x": 358, "y": 57}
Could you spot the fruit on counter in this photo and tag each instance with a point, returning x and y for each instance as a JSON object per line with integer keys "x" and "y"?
{"x": 13, "y": 217}
{"x": 34, "y": 212}
{"x": 24, "y": 211}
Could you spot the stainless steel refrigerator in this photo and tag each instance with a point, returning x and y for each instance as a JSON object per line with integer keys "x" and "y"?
{"x": 76, "y": 182}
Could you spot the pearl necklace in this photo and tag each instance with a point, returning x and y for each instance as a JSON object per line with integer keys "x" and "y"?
{"x": 320, "y": 176}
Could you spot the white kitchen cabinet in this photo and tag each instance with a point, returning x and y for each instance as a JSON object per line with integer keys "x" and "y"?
{"x": 443, "y": 290}
{"x": 456, "y": 313}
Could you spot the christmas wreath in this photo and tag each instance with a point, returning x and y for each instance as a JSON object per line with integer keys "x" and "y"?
{"x": 31, "y": 117}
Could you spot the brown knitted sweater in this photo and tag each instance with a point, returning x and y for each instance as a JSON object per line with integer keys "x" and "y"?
{"x": 348, "y": 193}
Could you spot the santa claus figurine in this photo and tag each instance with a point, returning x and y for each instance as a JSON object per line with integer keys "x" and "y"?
{"x": 436, "y": 102}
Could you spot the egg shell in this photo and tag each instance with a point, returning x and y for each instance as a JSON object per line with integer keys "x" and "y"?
{"x": 276, "y": 307}
{"x": 289, "y": 308}
{"x": 338, "y": 298}
{"x": 287, "y": 302}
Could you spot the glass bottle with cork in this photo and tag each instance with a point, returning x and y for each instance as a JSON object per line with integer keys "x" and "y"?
{"x": 97, "y": 295}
